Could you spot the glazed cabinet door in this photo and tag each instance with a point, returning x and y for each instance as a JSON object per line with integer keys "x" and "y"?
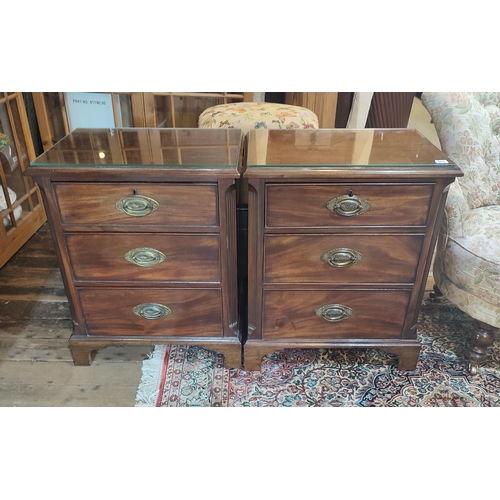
{"x": 21, "y": 207}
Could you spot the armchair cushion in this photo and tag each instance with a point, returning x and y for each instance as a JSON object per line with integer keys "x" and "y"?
{"x": 473, "y": 262}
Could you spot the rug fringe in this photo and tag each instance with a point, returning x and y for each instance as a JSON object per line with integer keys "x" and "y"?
{"x": 150, "y": 384}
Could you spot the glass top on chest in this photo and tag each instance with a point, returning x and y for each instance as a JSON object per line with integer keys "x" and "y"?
{"x": 167, "y": 147}
{"x": 342, "y": 148}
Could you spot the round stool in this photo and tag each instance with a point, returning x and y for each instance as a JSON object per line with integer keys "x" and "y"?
{"x": 251, "y": 115}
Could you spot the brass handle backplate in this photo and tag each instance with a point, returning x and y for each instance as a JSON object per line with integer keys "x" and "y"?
{"x": 150, "y": 310}
{"x": 334, "y": 312}
{"x": 145, "y": 257}
{"x": 342, "y": 257}
{"x": 348, "y": 205}
{"x": 137, "y": 205}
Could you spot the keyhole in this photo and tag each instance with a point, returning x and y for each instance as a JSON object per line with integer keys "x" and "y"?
{"x": 134, "y": 191}
{"x": 350, "y": 193}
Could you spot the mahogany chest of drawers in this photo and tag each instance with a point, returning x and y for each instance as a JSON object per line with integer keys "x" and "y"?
{"x": 341, "y": 228}
{"x": 144, "y": 222}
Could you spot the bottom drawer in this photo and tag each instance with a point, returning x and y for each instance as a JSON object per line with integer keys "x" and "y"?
{"x": 338, "y": 314}
{"x": 158, "y": 312}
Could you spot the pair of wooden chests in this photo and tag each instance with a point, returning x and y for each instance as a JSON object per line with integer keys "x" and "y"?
{"x": 245, "y": 244}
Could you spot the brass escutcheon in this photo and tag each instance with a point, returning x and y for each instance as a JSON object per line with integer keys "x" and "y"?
{"x": 137, "y": 205}
{"x": 342, "y": 257}
{"x": 145, "y": 257}
{"x": 348, "y": 205}
{"x": 150, "y": 310}
{"x": 334, "y": 312}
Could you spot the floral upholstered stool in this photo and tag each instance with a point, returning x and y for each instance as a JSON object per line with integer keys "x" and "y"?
{"x": 250, "y": 115}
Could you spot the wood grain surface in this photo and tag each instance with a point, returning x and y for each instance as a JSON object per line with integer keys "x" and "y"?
{"x": 305, "y": 205}
{"x": 179, "y": 204}
{"x": 109, "y": 312}
{"x": 384, "y": 258}
{"x": 291, "y": 314}
{"x": 188, "y": 258}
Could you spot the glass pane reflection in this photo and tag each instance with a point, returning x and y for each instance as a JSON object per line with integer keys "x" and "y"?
{"x": 186, "y": 109}
{"x": 124, "y": 106}
{"x": 54, "y": 115}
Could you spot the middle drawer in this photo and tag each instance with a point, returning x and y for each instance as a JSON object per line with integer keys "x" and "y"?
{"x": 145, "y": 256}
{"x": 345, "y": 258}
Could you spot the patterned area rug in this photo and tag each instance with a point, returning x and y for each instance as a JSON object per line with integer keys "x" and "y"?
{"x": 192, "y": 376}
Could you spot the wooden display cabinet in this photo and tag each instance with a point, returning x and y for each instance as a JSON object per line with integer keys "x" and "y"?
{"x": 133, "y": 109}
{"x": 21, "y": 208}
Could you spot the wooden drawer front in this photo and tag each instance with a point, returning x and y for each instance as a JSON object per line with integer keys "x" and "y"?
{"x": 292, "y": 314}
{"x": 341, "y": 258}
{"x": 177, "y": 204}
{"x": 193, "y": 313}
{"x": 293, "y": 205}
{"x": 145, "y": 256}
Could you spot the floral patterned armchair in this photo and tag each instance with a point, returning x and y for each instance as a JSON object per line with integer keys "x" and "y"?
{"x": 467, "y": 263}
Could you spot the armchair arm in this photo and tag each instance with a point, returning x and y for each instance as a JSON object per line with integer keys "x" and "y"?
{"x": 456, "y": 211}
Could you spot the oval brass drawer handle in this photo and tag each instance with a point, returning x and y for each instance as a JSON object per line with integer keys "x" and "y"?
{"x": 137, "y": 205}
{"x": 342, "y": 257}
{"x": 334, "y": 312}
{"x": 348, "y": 205}
{"x": 150, "y": 310}
{"x": 145, "y": 257}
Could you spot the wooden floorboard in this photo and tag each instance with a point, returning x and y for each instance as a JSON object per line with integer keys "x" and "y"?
{"x": 36, "y": 368}
{"x": 36, "y": 384}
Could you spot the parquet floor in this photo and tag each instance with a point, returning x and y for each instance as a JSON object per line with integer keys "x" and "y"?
{"x": 36, "y": 368}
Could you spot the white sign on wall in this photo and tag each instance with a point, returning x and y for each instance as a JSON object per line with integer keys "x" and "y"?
{"x": 89, "y": 110}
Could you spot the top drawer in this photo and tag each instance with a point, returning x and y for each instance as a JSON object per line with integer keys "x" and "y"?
{"x": 138, "y": 204}
{"x": 347, "y": 205}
